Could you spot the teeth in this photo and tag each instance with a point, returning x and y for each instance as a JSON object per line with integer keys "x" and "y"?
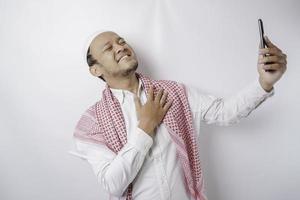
{"x": 123, "y": 57}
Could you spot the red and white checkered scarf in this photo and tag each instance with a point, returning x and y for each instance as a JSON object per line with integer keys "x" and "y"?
{"x": 109, "y": 129}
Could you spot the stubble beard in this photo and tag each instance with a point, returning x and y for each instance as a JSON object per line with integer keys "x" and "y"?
{"x": 130, "y": 70}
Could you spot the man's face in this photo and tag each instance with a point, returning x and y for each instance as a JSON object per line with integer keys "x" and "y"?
{"x": 115, "y": 56}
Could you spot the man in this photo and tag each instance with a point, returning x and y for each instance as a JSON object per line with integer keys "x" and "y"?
{"x": 141, "y": 137}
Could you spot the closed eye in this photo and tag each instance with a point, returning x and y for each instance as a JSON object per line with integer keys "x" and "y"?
{"x": 108, "y": 48}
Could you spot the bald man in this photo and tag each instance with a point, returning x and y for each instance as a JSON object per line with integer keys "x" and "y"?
{"x": 144, "y": 132}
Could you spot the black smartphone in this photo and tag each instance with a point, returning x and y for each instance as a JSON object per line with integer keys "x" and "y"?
{"x": 262, "y": 43}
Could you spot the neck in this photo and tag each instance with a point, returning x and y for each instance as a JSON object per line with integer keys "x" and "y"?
{"x": 129, "y": 83}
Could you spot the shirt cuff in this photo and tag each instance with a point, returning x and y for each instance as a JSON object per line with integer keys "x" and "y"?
{"x": 260, "y": 91}
{"x": 140, "y": 140}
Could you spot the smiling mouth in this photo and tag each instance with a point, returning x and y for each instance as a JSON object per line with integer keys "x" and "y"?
{"x": 124, "y": 57}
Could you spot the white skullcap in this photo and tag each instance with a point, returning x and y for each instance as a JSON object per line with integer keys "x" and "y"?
{"x": 88, "y": 41}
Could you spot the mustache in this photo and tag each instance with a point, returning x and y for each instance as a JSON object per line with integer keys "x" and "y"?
{"x": 124, "y": 53}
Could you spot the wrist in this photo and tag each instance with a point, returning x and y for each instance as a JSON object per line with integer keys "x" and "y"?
{"x": 147, "y": 126}
{"x": 265, "y": 86}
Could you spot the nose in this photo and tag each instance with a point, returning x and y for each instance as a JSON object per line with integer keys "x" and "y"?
{"x": 119, "y": 48}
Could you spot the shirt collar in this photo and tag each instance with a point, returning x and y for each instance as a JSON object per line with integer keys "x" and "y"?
{"x": 120, "y": 93}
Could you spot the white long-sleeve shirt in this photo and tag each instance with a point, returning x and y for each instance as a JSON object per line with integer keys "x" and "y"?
{"x": 151, "y": 162}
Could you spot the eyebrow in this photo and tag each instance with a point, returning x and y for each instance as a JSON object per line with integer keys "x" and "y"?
{"x": 118, "y": 38}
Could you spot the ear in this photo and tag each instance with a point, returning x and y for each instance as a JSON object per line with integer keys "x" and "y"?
{"x": 96, "y": 70}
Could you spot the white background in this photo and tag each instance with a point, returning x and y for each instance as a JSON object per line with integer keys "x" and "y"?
{"x": 46, "y": 86}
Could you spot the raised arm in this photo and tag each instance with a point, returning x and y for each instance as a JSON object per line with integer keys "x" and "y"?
{"x": 226, "y": 111}
{"x": 271, "y": 66}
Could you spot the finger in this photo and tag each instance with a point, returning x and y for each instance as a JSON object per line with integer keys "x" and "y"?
{"x": 271, "y": 59}
{"x": 269, "y": 43}
{"x": 270, "y": 51}
{"x": 167, "y": 105}
{"x": 164, "y": 98}
{"x": 158, "y": 96}
{"x": 275, "y": 66}
{"x": 280, "y": 59}
{"x": 283, "y": 68}
{"x": 150, "y": 93}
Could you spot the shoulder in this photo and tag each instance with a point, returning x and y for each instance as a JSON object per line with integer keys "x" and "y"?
{"x": 87, "y": 125}
{"x": 91, "y": 110}
{"x": 171, "y": 83}
{"x": 88, "y": 115}
{"x": 196, "y": 97}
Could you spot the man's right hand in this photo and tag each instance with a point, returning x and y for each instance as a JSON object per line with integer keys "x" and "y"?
{"x": 153, "y": 111}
